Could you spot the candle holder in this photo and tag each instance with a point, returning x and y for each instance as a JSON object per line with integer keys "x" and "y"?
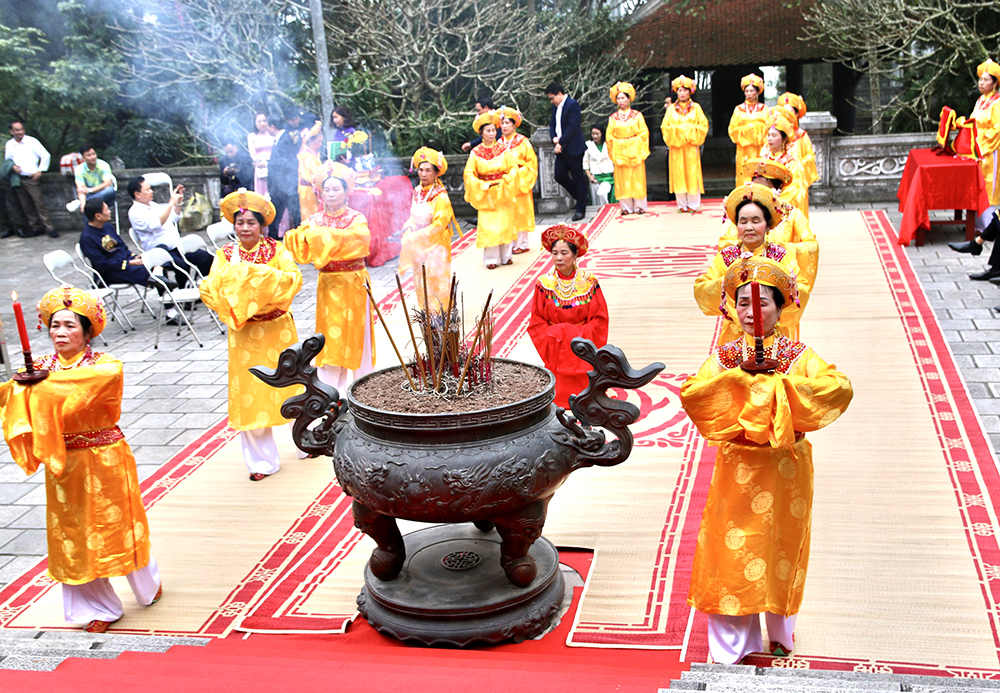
{"x": 29, "y": 374}
{"x": 759, "y": 364}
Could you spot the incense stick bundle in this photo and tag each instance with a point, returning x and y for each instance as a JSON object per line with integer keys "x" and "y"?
{"x": 392, "y": 341}
{"x": 413, "y": 339}
{"x": 475, "y": 341}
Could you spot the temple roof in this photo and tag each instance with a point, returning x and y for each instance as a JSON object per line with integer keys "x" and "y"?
{"x": 722, "y": 32}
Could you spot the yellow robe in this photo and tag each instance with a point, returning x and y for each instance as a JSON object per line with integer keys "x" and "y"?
{"x": 252, "y": 298}
{"x": 309, "y": 163}
{"x": 684, "y": 133}
{"x": 753, "y": 545}
{"x": 793, "y": 233}
{"x": 628, "y": 145}
{"x": 490, "y": 186}
{"x": 337, "y": 246}
{"x": 796, "y": 193}
{"x": 708, "y": 290}
{"x": 987, "y": 116}
{"x": 524, "y": 158}
{"x": 96, "y": 524}
{"x": 748, "y": 129}
{"x": 803, "y": 152}
{"x": 427, "y": 243}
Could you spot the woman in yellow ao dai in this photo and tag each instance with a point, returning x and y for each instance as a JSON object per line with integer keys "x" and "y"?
{"x": 336, "y": 241}
{"x": 523, "y": 156}
{"x": 748, "y": 125}
{"x": 792, "y": 232}
{"x": 779, "y": 148}
{"x": 427, "y": 233}
{"x": 684, "y": 130}
{"x": 754, "y": 209}
{"x": 752, "y": 554}
{"x": 628, "y": 145}
{"x": 251, "y": 287}
{"x": 801, "y": 147}
{"x": 490, "y": 178}
{"x": 986, "y": 114}
{"x": 95, "y": 522}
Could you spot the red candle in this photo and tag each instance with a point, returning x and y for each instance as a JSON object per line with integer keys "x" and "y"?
{"x": 758, "y": 328}
{"x": 22, "y": 329}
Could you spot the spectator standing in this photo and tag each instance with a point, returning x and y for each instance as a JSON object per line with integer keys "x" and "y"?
{"x": 236, "y": 168}
{"x": 283, "y": 171}
{"x": 11, "y": 217}
{"x": 599, "y": 168}
{"x": 259, "y": 144}
{"x": 484, "y": 105}
{"x": 343, "y": 127}
{"x": 94, "y": 178}
{"x": 156, "y": 225}
{"x": 30, "y": 160}
{"x": 564, "y": 129}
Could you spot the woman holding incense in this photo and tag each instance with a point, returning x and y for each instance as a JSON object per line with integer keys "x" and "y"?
{"x": 752, "y": 553}
{"x": 491, "y": 186}
{"x": 427, "y": 232}
{"x": 568, "y": 303}
{"x": 251, "y": 287}
{"x": 95, "y": 522}
{"x": 335, "y": 240}
{"x": 754, "y": 210}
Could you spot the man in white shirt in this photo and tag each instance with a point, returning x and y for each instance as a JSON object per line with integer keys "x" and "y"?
{"x": 156, "y": 225}
{"x": 30, "y": 160}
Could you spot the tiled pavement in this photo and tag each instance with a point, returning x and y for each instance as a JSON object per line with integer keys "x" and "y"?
{"x": 172, "y": 394}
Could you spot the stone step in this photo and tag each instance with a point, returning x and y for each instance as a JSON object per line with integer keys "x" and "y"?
{"x": 780, "y": 683}
{"x": 19, "y": 660}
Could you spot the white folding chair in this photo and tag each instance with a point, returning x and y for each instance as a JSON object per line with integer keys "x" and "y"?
{"x": 220, "y": 233}
{"x": 158, "y": 257}
{"x": 190, "y": 242}
{"x": 61, "y": 261}
{"x": 155, "y": 178}
{"x": 98, "y": 280}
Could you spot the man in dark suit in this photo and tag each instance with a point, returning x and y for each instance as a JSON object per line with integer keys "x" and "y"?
{"x": 283, "y": 168}
{"x": 564, "y": 128}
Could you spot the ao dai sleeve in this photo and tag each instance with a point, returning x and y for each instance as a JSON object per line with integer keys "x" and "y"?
{"x": 988, "y": 129}
{"x": 767, "y": 408}
{"x": 552, "y": 329}
{"x": 239, "y": 291}
{"x": 708, "y": 287}
{"x": 527, "y": 167}
{"x": 322, "y": 245}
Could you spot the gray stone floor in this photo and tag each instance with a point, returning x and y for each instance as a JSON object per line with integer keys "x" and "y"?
{"x": 173, "y": 393}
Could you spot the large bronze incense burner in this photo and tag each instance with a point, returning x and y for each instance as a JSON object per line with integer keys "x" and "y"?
{"x": 496, "y": 468}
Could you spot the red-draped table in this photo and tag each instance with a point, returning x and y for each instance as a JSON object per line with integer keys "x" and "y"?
{"x": 935, "y": 180}
{"x": 386, "y": 211}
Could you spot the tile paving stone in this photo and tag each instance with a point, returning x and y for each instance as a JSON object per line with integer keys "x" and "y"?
{"x": 33, "y": 518}
{"x": 16, "y": 567}
{"x": 153, "y": 436}
{"x": 36, "y": 496}
{"x": 195, "y": 405}
{"x": 9, "y": 514}
{"x": 172, "y": 378}
{"x": 30, "y": 542}
{"x": 151, "y": 405}
{"x": 154, "y": 454}
{"x": 7, "y": 535}
{"x": 12, "y": 492}
{"x": 198, "y": 421}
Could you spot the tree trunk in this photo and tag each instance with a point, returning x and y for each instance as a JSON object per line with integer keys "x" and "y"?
{"x": 322, "y": 63}
{"x": 875, "y": 92}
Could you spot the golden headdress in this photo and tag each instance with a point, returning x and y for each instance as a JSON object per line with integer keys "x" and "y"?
{"x": 789, "y": 111}
{"x": 485, "y": 118}
{"x": 431, "y": 156}
{"x": 76, "y": 300}
{"x": 244, "y": 199}
{"x": 623, "y": 87}
{"x": 316, "y": 128}
{"x": 990, "y": 67}
{"x": 565, "y": 232}
{"x": 761, "y": 195}
{"x": 795, "y": 101}
{"x": 333, "y": 169}
{"x": 683, "y": 81}
{"x": 512, "y": 113}
{"x": 767, "y": 169}
{"x": 779, "y": 119}
{"x": 753, "y": 79}
{"x": 763, "y": 271}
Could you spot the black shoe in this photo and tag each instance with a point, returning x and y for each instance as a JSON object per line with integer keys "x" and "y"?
{"x": 578, "y": 216}
{"x": 995, "y": 280}
{"x": 985, "y": 275}
{"x": 966, "y": 247}
{"x": 53, "y": 234}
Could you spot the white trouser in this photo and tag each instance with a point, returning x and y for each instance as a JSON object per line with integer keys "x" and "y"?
{"x": 599, "y": 198}
{"x": 522, "y": 241}
{"x": 731, "y": 638}
{"x": 96, "y": 600}
{"x": 688, "y": 200}
{"x": 497, "y": 254}
{"x": 984, "y": 219}
{"x": 340, "y": 377}
{"x": 631, "y": 204}
{"x": 260, "y": 452}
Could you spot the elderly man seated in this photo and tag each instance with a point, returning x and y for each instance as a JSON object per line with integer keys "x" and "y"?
{"x": 107, "y": 253}
{"x": 156, "y": 225}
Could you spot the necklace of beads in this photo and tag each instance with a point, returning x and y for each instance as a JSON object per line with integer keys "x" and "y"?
{"x": 422, "y": 195}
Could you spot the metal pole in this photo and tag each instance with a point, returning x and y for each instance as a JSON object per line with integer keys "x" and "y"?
{"x": 322, "y": 63}
{"x": 3, "y": 352}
